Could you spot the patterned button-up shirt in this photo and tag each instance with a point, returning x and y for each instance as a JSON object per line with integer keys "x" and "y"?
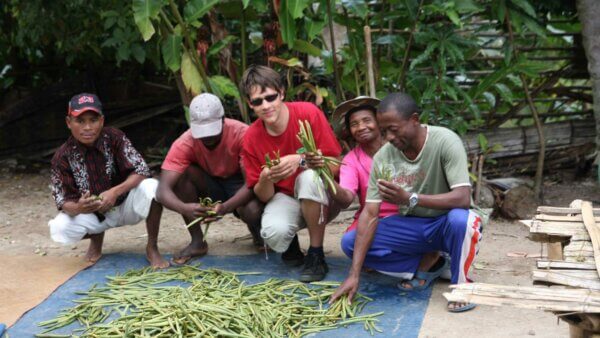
{"x": 77, "y": 169}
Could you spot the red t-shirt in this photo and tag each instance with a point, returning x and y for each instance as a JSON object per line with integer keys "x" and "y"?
{"x": 257, "y": 142}
{"x": 223, "y": 161}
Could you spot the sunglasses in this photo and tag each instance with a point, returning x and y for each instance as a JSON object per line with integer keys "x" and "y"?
{"x": 258, "y": 101}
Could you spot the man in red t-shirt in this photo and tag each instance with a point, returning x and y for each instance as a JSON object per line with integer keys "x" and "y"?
{"x": 205, "y": 161}
{"x": 295, "y": 197}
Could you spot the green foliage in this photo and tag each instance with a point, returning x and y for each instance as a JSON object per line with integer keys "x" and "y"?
{"x": 223, "y": 87}
{"x": 288, "y": 26}
{"x": 449, "y": 40}
{"x": 144, "y": 11}
{"x": 171, "y": 50}
{"x": 191, "y": 76}
{"x": 195, "y": 9}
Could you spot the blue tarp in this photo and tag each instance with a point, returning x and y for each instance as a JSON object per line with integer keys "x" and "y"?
{"x": 403, "y": 311}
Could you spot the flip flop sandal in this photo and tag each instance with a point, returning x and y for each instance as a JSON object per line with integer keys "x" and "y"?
{"x": 428, "y": 277}
{"x": 186, "y": 258}
{"x": 464, "y": 308}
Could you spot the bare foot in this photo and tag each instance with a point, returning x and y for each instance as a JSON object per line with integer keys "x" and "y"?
{"x": 94, "y": 251}
{"x": 156, "y": 260}
{"x": 191, "y": 251}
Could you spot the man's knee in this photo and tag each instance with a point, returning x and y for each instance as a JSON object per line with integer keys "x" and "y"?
{"x": 277, "y": 236}
{"x": 252, "y": 212}
{"x": 58, "y": 228}
{"x": 148, "y": 187}
{"x": 348, "y": 243}
{"x": 457, "y": 219}
{"x": 309, "y": 186}
{"x": 190, "y": 184}
{"x": 65, "y": 230}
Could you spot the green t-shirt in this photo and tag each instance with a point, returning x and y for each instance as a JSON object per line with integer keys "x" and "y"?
{"x": 440, "y": 167}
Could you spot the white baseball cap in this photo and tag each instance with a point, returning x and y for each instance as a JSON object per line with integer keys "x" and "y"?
{"x": 206, "y": 115}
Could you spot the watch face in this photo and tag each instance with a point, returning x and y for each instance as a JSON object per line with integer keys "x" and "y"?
{"x": 413, "y": 200}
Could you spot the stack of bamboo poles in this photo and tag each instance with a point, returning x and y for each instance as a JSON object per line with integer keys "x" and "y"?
{"x": 541, "y": 298}
{"x": 571, "y": 269}
{"x": 573, "y": 239}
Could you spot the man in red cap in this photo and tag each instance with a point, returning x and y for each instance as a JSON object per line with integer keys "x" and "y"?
{"x": 100, "y": 181}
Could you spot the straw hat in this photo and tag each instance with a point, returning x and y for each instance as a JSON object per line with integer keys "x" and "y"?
{"x": 343, "y": 108}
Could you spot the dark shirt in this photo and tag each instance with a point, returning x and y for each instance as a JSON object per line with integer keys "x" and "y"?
{"x": 77, "y": 169}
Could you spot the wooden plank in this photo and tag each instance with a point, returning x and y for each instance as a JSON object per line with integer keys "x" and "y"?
{"x": 574, "y": 231}
{"x": 544, "y": 298}
{"x": 556, "y": 265}
{"x": 563, "y": 211}
{"x": 579, "y": 247}
{"x": 576, "y": 332}
{"x": 555, "y": 251}
{"x": 574, "y": 218}
{"x": 580, "y": 259}
{"x": 548, "y": 305}
{"x": 555, "y": 293}
{"x": 576, "y": 278}
{"x": 590, "y": 224}
{"x": 569, "y": 225}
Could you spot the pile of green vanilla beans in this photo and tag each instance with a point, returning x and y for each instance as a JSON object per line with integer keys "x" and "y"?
{"x": 191, "y": 302}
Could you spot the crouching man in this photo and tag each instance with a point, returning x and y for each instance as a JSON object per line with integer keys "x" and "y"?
{"x": 429, "y": 182}
{"x": 99, "y": 181}
{"x": 205, "y": 161}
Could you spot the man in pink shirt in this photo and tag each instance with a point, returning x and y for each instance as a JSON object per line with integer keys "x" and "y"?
{"x": 206, "y": 161}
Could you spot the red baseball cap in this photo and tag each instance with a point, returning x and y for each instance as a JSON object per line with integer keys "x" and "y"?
{"x": 83, "y": 102}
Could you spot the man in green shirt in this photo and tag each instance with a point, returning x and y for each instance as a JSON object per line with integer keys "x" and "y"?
{"x": 427, "y": 177}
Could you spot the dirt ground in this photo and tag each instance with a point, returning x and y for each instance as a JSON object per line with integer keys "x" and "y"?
{"x": 27, "y": 206}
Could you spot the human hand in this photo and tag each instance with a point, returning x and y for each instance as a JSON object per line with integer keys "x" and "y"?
{"x": 194, "y": 210}
{"x": 221, "y": 209}
{"x": 349, "y": 287}
{"x": 88, "y": 204}
{"x": 108, "y": 200}
{"x": 286, "y": 167}
{"x": 392, "y": 192}
{"x": 265, "y": 175}
{"x": 314, "y": 160}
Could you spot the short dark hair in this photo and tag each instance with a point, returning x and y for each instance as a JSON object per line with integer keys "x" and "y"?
{"x": 403, "y": 104}
{"x": 354, "y": 110}
{"x": 261, "y": 76}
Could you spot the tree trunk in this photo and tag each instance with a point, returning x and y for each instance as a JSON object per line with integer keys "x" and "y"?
{"x": 589, "y": 12}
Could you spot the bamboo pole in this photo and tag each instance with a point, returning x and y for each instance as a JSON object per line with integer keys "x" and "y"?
{"x": 370, "y": 72}
{"x": 543, "y": 298}
{"x": 564, "y": 211}
{"x": 241, "y": 101}
{"x": 479, "y": 178}
{"x": 339, "y": 93}
{"x": 590, "y": 224}
{"x": 539, "y": 172}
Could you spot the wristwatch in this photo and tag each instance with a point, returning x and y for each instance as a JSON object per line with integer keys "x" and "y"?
{"x": 302, "y": 162}
{"x": 413, "y": 200}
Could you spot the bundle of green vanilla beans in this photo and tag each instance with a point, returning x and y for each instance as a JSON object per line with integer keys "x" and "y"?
{"x": 306, "y": 138}
{"x": 191, "y": 302}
